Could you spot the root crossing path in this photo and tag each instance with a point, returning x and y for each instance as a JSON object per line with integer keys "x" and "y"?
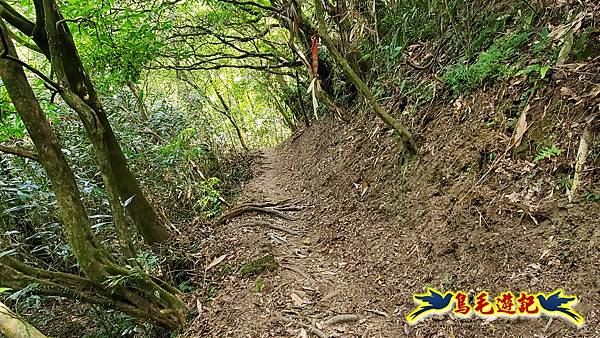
{"x": 309, "y": 292}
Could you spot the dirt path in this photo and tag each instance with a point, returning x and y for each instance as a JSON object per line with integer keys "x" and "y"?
{"x": 309, "y": 286}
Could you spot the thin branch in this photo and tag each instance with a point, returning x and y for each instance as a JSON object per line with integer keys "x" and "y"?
{"x": 251, "y": 3}
{"x": 20, "y": 152}
{"x": 16, "y": 19}
{"x": 271, "y": 69}
{"x": 5, "y": 55}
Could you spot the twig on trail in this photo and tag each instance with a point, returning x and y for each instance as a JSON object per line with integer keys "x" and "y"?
{"x": 271, "y": 226}
{"x": 290, "y": 208}
{"x": 341, "y": 319}
{"x": 310, "y": 328}
{"x": 245, "y": 209}
{"x": 377, "y": 312}
{"x": 296, "y": 270}
{"x": 331, "y": 295}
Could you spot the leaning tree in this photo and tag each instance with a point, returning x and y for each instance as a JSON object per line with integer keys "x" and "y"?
{"x": 106, "y": 281}
{"x": 52, "y": 37}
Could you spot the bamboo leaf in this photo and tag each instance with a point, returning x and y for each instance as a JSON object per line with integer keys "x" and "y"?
{"x": 563, "y": 55}
{"x": 7, "y": 252}
{"x": 215, "y": 262}
{"x": 521, "y": 127}
{"x": 128, "y": 201}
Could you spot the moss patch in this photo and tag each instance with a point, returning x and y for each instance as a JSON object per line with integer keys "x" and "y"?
{"x": 258, "y": 266}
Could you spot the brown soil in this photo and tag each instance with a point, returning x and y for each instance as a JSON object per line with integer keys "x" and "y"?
{"x": 374, "y": 230}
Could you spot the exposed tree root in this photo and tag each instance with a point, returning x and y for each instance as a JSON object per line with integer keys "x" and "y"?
{"x": 296, "y": 270}
{"x": 270, "y": 208}
{"x": 290, "y": 208}
{"x": 271, "y": 226}
{"x": 265, "y": 204}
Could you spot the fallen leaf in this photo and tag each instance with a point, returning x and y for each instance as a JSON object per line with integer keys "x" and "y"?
{"x": 299, "y": 293}
{"x": 566, "y": 91}
{"x": 535, "y": 266}
{"x": 128, "y": 201}
{"x": 560, "y": 32}
{"x": 215, "y": 262}
{"x": 563, "y": 55}
{"x": 521, "y": 127}
{"x": 297, "y": 300}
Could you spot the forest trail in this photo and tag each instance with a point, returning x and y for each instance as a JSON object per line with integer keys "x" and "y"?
{"x": 309, "y": 287}
{"x": 365, "y": 237}
{"x": 449, "y": 147}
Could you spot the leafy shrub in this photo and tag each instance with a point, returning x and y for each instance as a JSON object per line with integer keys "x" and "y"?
{"x": 210, "y": 197}
{"x": 492, "y": 64}
{"x": 546, "y": 153}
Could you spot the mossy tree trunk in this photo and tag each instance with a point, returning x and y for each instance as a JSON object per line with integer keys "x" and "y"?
{"x": 69, "y": 69}
{"x": 13, "y": 326}
{"x": 136, "y": 289}
{"x": 51, "y": 34}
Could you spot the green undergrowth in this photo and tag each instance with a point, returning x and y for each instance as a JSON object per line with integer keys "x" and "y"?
{"x": 493, "y": 64}
{"x": 463, "y": 46}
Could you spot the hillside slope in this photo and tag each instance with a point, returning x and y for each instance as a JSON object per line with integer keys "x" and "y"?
{"x": 374, "y": 227}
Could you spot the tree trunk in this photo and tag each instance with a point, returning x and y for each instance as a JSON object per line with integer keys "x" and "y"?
{"x": 13, "y": 326}
{"x": 51, "y": 157}
{"x": 300, "y": 100}
{"x": 138, "y": 289}
{"x": 227, "y": 113}
{"x": 69, "y": 69}
{"x": 140, "y": 106}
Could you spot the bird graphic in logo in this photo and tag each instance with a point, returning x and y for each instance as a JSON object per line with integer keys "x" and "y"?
{"x": 557, "y": 304}
{"x": 429, "y": 303}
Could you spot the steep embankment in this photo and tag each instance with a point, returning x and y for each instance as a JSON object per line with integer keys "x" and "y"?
{"x": 465, "y": 214}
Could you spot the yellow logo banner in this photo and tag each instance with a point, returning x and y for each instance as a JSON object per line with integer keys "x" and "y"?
{"x": 504, "y": 305}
